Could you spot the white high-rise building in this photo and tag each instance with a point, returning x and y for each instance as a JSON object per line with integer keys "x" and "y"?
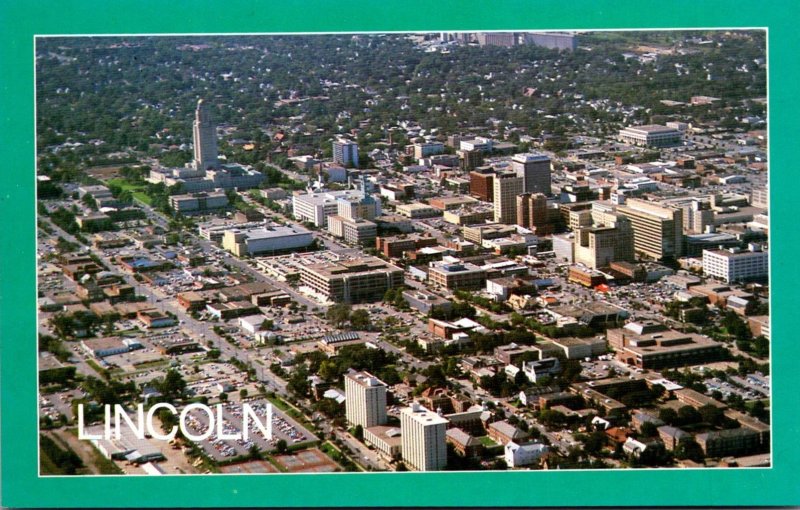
{"x": 423, "y": 438}
{"x": 345, "y": 152}
{"x": 365, "y": 402}
{"x": 534, "y": 168}
{"x": 506, "y": 188}
{"x": 205, "y": 138}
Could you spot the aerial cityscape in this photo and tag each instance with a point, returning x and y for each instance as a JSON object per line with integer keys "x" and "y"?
{"x": 407, "y": 252}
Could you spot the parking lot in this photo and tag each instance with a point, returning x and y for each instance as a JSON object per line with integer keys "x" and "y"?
{"x": 751, "y": 387}
{"x": 283, "y": 427}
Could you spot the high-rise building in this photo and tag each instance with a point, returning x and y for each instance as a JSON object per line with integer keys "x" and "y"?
{"x": 345, "y": 152}
{"x": 423, "y": 438}
{"x": 469, "y": 159}
{"x": 205, "y": 138}
{"x": 599, "y": 246}
{"x": 365, "y": 402}
{"x": 506, "y": 188}
{"x": 534, "y": 168}
{"x": 481, "y": 183}
{"x": 533, "y": 213}
{"x": 657, "y": 230}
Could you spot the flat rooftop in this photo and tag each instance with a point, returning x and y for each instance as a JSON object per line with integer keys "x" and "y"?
{"x": 355, "y": 266}
{"x": 651, "y": 128}
{"x": 424, "y": 416}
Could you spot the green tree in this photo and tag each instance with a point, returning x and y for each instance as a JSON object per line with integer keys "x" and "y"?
{"x": 173, "y": 385}
{"x": 360, "y": 320}
{"x": 712, "y": 415}
{"x": 339, "y": 314}
{"x": 281, "y": 446}
{"x": 688, "y": 415}
{"x": 668, "y": 416}
{"x": 688, "y": 448}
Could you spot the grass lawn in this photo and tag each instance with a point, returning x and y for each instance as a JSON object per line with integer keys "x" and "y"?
{"x": 280, "y": 404}
{"x": 97, "y": 368}
{"x": 487, "y": 441}
{"x": 125, "y": 184}
{"x": 151, "y": 364}
{"x": 104, "y": 465}
{"x": 142, "y": 197}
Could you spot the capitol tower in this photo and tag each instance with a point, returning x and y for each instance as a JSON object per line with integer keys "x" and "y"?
{"x": 205, "y": 138}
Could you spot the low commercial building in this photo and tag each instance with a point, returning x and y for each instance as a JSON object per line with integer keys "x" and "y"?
{"x": 580, "y": 348}
{"x": 94, "y": 222}
{"x": 585, "y": 276}
{"x": 479, "y": 233}
{"x": 469, "y": 214}
{"x": 512, "y": 354}
{"x": 353, "y": 281}
{"x": 191, "y": 301}
{"x": 109, "y": 346}
{"x": 225, "y": 311}
{"x": 155, "y": 319}
{"x": 426, "y": 302}
{"x": 252, "y": 324}
{"x": 356, "y": 232}
{"x": 649, "y": 345}
{"x": 455, "y": 275}
{"x": 451, "y": 203}
{"x": 266, "y": 240}
{"x": 417, "y": 211}
{"x": 198, "y": 202}
{"x": 386, "y": 440}
{"x": 735, "y": 265}
{"x": 128, "y": 447}
{"x": 652, "y": 135}
{"x": 396, "y": 246}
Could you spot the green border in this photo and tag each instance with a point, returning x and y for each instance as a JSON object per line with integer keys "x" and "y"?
{"x": 20, "y": 20}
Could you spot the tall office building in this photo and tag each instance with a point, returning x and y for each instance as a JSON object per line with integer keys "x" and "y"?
{"x": 534, "y": 168}
{"x": 532, "y": 213}
{"x": 657, "y": 230}
{"x": 365, "y": 402}
{"x": 506, "y": 188}
{"x": 599, "y": 246}
{"x": 481, "y": 183}
{"x": 423, "y": 438}
{"x": 205, "y": 138}
{"x": 345, "y": 152}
